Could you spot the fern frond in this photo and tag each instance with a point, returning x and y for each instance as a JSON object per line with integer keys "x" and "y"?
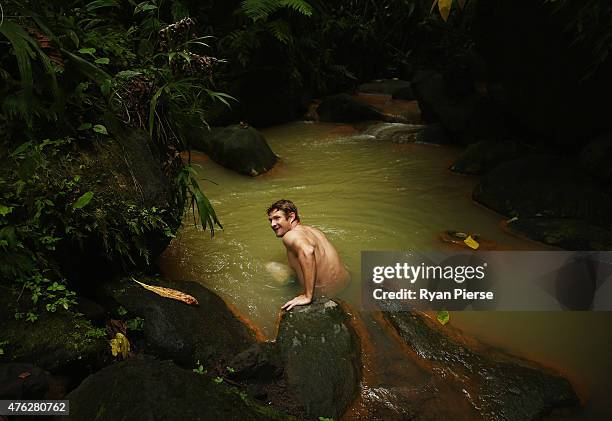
{"x": 259, "y": 9}
{"x": 262, "y": 9}
{"x": 281, "y": 31}
{"x": 23, "y": 53}
{"x": 300, "y": 6}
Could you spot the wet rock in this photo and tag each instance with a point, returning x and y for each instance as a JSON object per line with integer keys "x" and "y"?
{"x": 544, "y": 186}
{"x": 343, "y": 108}
{"x": 260, "y": 363}
{"x": 501, "y": 387}
{"x": 467, "y": 118}
{"x": 394, "y": 132}
{"x": 569, "y": 234}
{"x": 385, "y": 87}
{"x": 321, "y": 354}
{"x": 434, "y": 134}
{"x": 56, "y": 342}
{"x": 481, "y": 157}
{"x": 208, "y": 332}
{"x": 238, "y": 147}
{"x": 147, "y": 389}
{"x": 124, "y": 172}
{"x": 22, "y": 381}
{"x": 596, "y": 156}
{"x": 404, "y": 93}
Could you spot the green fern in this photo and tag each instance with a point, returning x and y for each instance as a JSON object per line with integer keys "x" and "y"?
{"x": 262, "y": 9}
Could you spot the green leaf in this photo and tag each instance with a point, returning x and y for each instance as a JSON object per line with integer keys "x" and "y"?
{"x": 102, "y": 60}
{"x": 443, "y": 317}
{"x": 83, "y": 200}
{"x": 100, "y": 3}
{"x": 98, "y": 128}
{"x": 127, "y": 74}
{"x": 88, "y": 69}
{"x": 5, "y": 210}
{"x": 84, "y": 126}
{"x": 89, "y": 51}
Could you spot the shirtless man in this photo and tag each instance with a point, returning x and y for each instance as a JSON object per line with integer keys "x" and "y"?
{"x": 310, "y": 254}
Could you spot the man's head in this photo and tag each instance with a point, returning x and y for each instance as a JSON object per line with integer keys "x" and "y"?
{"x": 283, "y": 216}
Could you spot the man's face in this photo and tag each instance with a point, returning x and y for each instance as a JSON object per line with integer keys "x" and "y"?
{"x": 280, "y": 223}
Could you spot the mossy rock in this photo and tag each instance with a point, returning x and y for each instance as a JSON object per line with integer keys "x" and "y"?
{"x": 321, "y": 354}
{"x": 208, "y": 332}
{"x": 55, "y": 342}
{"x": 148, "y": 389}
{"x": 569, "y": 234}
{"x": 239, "y": 148}
{"x": 481, "y": 157}
{"x": 544, "y": 186}
{"x": 500, "y": 386}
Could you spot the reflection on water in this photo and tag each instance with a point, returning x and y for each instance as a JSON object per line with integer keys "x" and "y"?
{"x": 365, "y": 195}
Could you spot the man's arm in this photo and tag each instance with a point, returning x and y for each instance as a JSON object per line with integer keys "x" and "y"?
{"x": 305, "y": 254}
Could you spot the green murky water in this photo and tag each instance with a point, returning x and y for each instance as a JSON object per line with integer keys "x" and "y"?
{"x": 369, "y": 195}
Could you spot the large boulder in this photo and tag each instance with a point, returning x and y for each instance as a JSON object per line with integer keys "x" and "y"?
{"x": 208, "y": 332}
{"x": 321, "y": 355}
{"x": 500, "y": 386}
{"x": 467, "y": 118}
{"x": 22, "y": 381}
{"x": 147, "y": 389}
{"x": 596, "y": 156}
{"x": 237, "y": 147}
{"x": 569, "y": 234}
{"x": 385, "y": 87}
{"x": 57, "y": 342}
{"x": 481, "y": 157}
{"x": 544, "y": 186}
{"x": 343, "y": 108}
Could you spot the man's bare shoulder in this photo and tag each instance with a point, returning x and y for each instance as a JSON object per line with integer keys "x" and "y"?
{"x": 296, "y": 238}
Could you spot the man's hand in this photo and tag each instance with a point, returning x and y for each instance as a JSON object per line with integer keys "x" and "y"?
{"x": 300, "y": 300}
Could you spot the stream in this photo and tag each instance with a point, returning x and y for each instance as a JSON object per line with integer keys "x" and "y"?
{"x": 366, "y": 194}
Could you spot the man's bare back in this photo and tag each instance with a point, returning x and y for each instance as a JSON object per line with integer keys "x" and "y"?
{"x": 331, "y": 275}
{"x": 314, "y": 259}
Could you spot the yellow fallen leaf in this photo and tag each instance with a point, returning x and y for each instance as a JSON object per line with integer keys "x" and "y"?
{"x": 470, "y": 242}
{"x": 444, "y": 6}
{"x": 169, "y": 293}
{"x": 120, "y": 345}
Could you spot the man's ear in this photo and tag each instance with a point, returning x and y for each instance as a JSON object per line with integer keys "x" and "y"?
{"x": 291, "y": 217}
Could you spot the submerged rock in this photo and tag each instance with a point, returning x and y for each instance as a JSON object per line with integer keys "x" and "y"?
{"x": 321, "y": 355}
{"x": 185, "y": 333}
{"x": 394, "y": 132}
{"x": 238, "y": 147}
{"x": 481, "y": 157}
{"x": 343, "y": 108}
{"x": 147, "y": 389}
{"x": 501, "y": 387}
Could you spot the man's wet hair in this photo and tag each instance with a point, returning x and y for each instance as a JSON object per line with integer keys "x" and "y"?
{"x": 286, "y": 206}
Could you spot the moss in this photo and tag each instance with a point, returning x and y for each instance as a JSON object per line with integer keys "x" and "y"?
{"x": 54, "y": 341}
